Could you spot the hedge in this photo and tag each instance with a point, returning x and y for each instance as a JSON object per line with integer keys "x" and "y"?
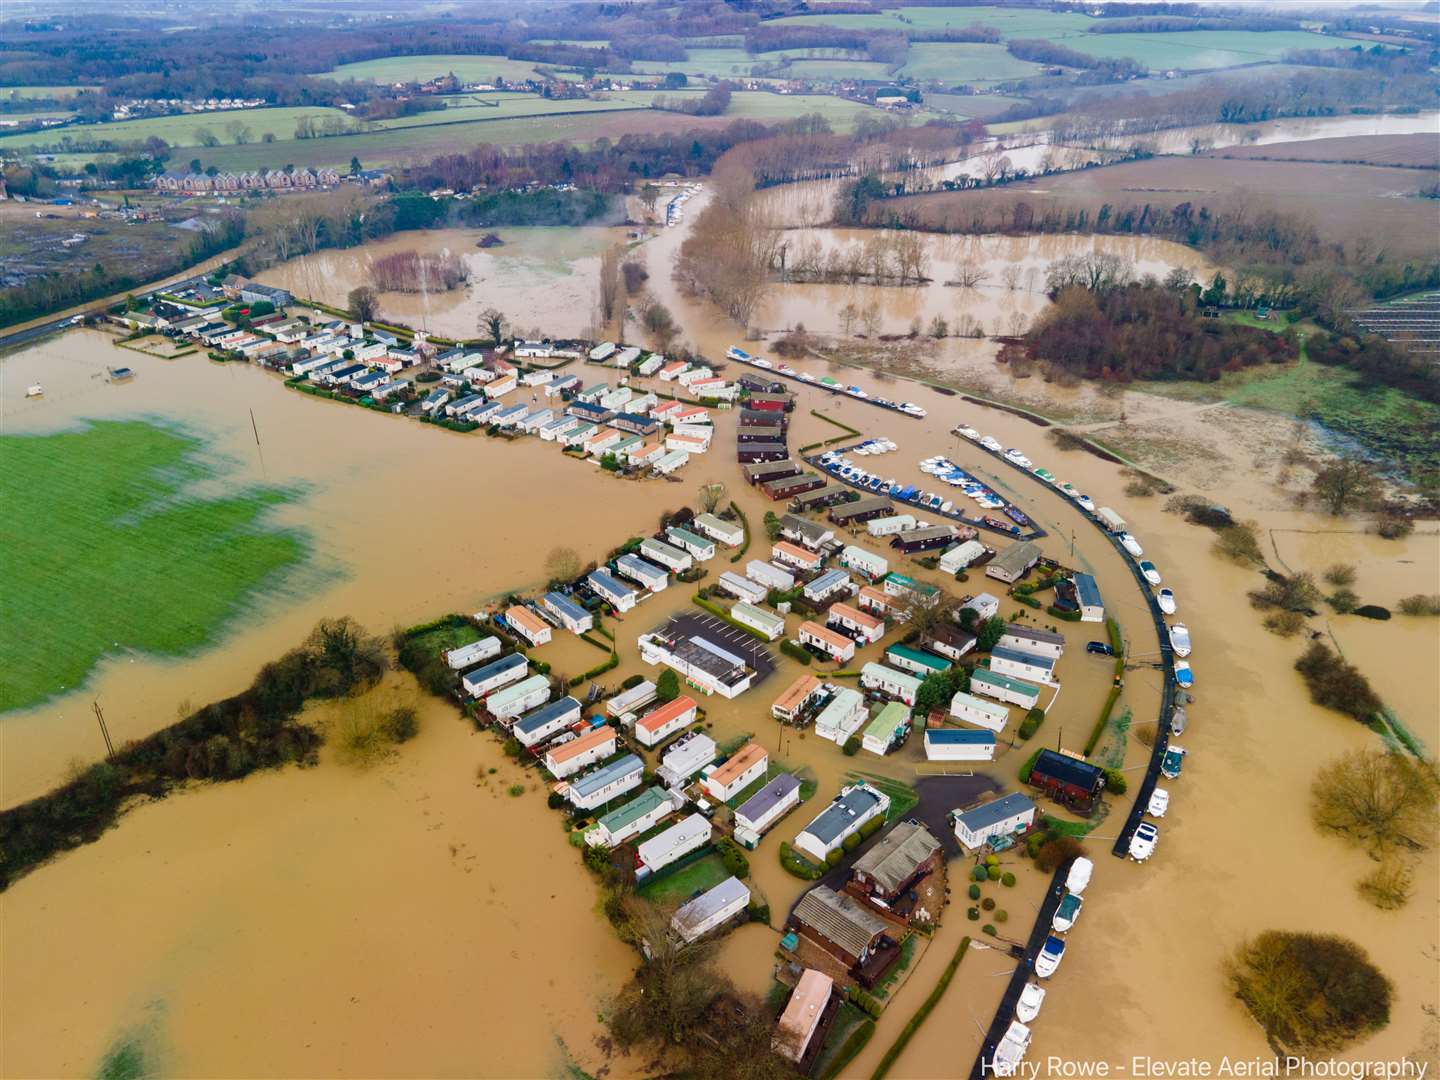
{"x": 1028, "y": 601}
{"x": 608, "y": 665}
{"x": 850, "y": 1049}
{"x": 921, "y": 1014}
{"x": 869, "y": 1003}
{"x": 1029, "y": 764}
{"x": 1031, "y": 724}
{"x": 1063, "y": 613}
{"x": 744, "y": 547}
{"x": 1102, "y": 719}
{"x": 797, "y": 865}
{"x": 795, "y": 652}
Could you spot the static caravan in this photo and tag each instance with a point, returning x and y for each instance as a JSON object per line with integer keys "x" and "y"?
{"x": 855, "y": 622}
{"x": 821, "y": 498}
{"x": 527, "y": 624}
{"x": 686, "y": 835}
{"x": 691, "y": 444}
{"x": 602, "y": 441}
{"x": 959, "y": 744}
{"x": 1014, "y": 562}
{"x": 887, "y": 680}
{"x": 992, "y": 684}
{"x": 659, "y": 724}
{"x": 647, "y": 453}
{"x": 655, "y": 578}
{"x": 612, "y": 590}
{"x": 795, "y": 1032}
{"x": 999, "y": 817}
{"x": 1087, "y": 595}
{"x": 889, "y": 526}
{"x": 535, "y": 727}
{"x": 1019, "y": 665}
{"x": 461, "y": 658}
{"x": 847, "y": 814}
{"x": 1036, "y": 642}
{"x": 864, "y": 562}
{"x": 685, "y": 757}
{"x": 811, "y": 534}
{"x": 790, "y": 705}
{"x": 605, "y": 783}
{"x": 569, "y": 614}
{"x": 947, "y": 639}
{"x": 767, "y": 806}
{"x": 769, "y": 575}
{"x": 789, "y": 487}
{"x": 973, "y": 710}
{"x": 916, "y": 661}
{"x": 794, "y": 555}
{"x": 511, "y": 701}
{"x": 889, "y": 727}
{"x": 842, "y": 717}
{"x": 534, "y": 421}
{"x": 627, "y": 701}
{"x": 625, "y": 357}
{"x": 962, "y": 555}
{"x": 916, "y": 541}
{"x": 557, "y": 429}
{"x": 729, "y": 533}
{"x": 491, "y": 677}
{"x": 568, "y": 758}
{"x": 602, "y": 352}
{"x": 751, "y": 453}
{"x": 737, "y": 772}
{"x": 695, "y": 544}
{"x": 861, "y": 511}
{"x": 761, "y": 471}
{"x": 759, "y": 433}
{"x": 711, "y": 909}
{"x": 1111, "y": 520}
{"x": 633, "y": 422}
{"x": 670, "y": 461}
{"x": 639, "y": 815}
{"x": 830, "y": 584}
{"x": 742, "y": 588}
{"x": 673, "y": 370}
{"x": 836, "y": 646}
{"x": 985, "y": 605}
{"x": 758, "y": 619}
{"x": 651, "y": 364}
{"x": 674, "y": 558}
{"x": 877, "y": 600}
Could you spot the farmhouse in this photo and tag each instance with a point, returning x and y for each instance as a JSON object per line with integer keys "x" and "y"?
{"x": 686, "y": 835}
{"x": 569, "y": 614}
{"x": 710, "y": 909}
{"x": 837, "y": 647}
{"x": 865, "y": 563}
{"x": 767, "y": 806}
{"x": 728, "y": 533}
{"x": 856, "y": 623}
{"x": 750, "y": 591}
{"x": 959, "y": 744}
{"x": 974, "y": 710}
{"x": 605, "y": 783}
{"x": 758, "y": 619}
{"x": 737, "y": 772}
{"x": 527, "y": 624}
{"x": 703, "y": 664}
{"x": 655, "y": 726}
{"x": 502, "y": 672}
{"x": 887, "y": 730}
{"x": 842, "y": 717}
{"x": 685, "y": 757}
{"x": 535, "y": 727}
{"x": 790, "y": 705}
{"x": 1001, "y": 687}
{"x": 847, "y": 814}
{"x": 1000, "y": 817}
{"x": 829, "y": 584}
{"x": 568, "y": 758}
{"x": 610, "y": 589}
{"x": 1014, "y": 562}
{"x": 888, "y": 681}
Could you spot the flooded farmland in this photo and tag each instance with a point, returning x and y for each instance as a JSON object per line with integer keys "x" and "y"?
{"x": 435, "y": 925}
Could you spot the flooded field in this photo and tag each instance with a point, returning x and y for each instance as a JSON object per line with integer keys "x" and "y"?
{"x": 417, "y": 920}
{"x": 541, "y": 278}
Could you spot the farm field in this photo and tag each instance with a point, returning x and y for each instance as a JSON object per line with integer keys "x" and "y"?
{"x": 422, "y": 68}
{"x": 965, "y": 62}
{"x": 1420, "y": 151}
{"x": 121, "y": 553}
{"x": 31, "y": 247}
{"x": 42, "y": 91}
{"x": 833, "y": 69}
{"x": 466, "y": 108}
{"x": 178, "y": 131}
{"x": 1194, "y": 50}
{"x": 980, "y": 106}
{"x": 1011, "y": 22}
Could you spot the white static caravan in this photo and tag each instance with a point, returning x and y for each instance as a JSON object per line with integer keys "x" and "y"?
{"x": 1019, "y": 665}
{"x": 758, "y": 619}
{"x": 864, "y": 562}
{"x": 852, "y": 620}
{"x": 1031, "y": 641}
{"x": 603, "y": 351}
{"x": 1087, "y": 595}
{"x": 691, "y": 444}
{"x": 657, "y": 725}
{"x": 889, "y": 526}
{"x": 961, "y": 555}
{"x": 834, "y": 645}
{"x": 568, "y": 758}
{"x": 736, "y": 773}
{"x": 648, "y": 808}
{"x": 696, "y": 545}
{"x": 655, "y": 578}
{"x": 767, "y": 806}
{"x": 523, "y": 696}
{"x": 614, "y": 591}
{"x": 769, "y": 575}
{"x": 985, "y": 605}
{"x": 828, "y": 585}
{"x": 535, "y": 727}
{"x": 888, "y": 681}
{"x": 978, "y": 711}
{"x": 842, "y": 717}
{"x": 1004, "y": 688}
{"x": 686, "y": 835}
{"x": 491, "y": 677}
{"x": 627, "y": 701}
{"x": 793, "y": 555}
{"x": 710, "y": 909}
{"x": 999, "y": 817}
{"x": 465, "y": 655}
{"x": 959, "y": 744}
{"x": 1110, "y": 519}
{"x": 685, "y": 757}
{"x": 671, "y": 461}
{"x": 605, "y": 783}
{"x": 666, "y": 555}
{"x": 651, "y": 364}
{"x": 743, "y": 588}
{"x": 569, "y": 614}
{"x": 729, "y": 533}
{"x": 532, "y": 422}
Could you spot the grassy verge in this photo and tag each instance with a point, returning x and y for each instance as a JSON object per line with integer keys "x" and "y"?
{"x": 921, "y": 1014}
{"x": 745, "y": 545}
{"x": 702, "y": 874}
{"x": 903, "y": 797}
{"x": 721, "y": 613}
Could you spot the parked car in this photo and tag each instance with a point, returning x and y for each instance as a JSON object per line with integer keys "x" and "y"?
{"x": 1100, "y": 648}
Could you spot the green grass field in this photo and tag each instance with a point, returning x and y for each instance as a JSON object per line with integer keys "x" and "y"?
{"x": 109, "y": 550}
{"x": 56, "y": 92}
{"x": 1199, "y": 49}
{"x": 982, "y": 106}
{"x": 964, "y": 62}
{"x": 180, "y": 131}
{"x": 422, "y": 68}
{"x": 676, "y": 888}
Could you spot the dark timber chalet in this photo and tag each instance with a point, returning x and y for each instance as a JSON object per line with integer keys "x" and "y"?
{"x": 748, "y": 453}
{"x": 760, "y": 433}
{"x": 772, "y": 470}
{"x": 759, "y": 384}
{"x": 771, "y": 402}
{"x": 1070, "y": 781}
{"x": 829, "y": 495}
{"x": 861, "y": 510}
{"x": 766, "y": 417}
{"x": 791, "y": 486}
{"x": 928, "y": 539}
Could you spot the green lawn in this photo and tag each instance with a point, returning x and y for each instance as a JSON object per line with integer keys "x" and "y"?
{"x": 422, "y": 68}
{"x": 109, "y": 550}
{"x": 676, "y": 888}
{"x": 902, "y": 796}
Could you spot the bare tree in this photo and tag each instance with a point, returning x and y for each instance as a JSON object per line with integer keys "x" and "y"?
{"x": 870, "y": 316}
{"x": 364, "y": 303}
{"x": 970, "y": 272}
{"x": 849, "y": 314}
{"x": 562, "y": 565}
{"x": 492, "y": 322}
{"x": 1378, "y": 799}
{"x": 711, "y": 496}
{"x": 205, "y": 137}
{"x": 660, "y": 325}
{"x": 610, "y": 283}
{"x": 1010, "y": 276}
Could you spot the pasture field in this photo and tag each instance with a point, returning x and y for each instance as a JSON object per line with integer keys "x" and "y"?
{"x": 467, "y": 108}
{"x": 113, "y": 550}
{"x": 1011, "y": 22}
{"x": 821, "y": 69}
{"x": 1417, "y": 151}
{"x": 179, "y": 131}
{"x": 965, "y": 62}
{"x": 389, "y": 69}
{"x": 57, "y": 92}
{"x": 980, "y": 106}
{"x": 1195, "y": 50}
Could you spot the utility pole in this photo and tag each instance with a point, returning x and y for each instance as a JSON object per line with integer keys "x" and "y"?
{"x": 104, "y": 731}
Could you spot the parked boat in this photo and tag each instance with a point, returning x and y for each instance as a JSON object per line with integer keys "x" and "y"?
{"x": 1172, "y": 762}
{"x": 1130, "y": 544}
{"x": 1031, "y": 998}
{"x": 1079, "y": 875}
{"x": 35, "y": 391}
{"x": 1142, "y": 844}
{"x": 1150, "y": 571}
{"x": 1180, "y": 639}
{"x": 1159, "y": 802}
{"x": 1166, "y": 600}
{"x": 1183, "y": 675}
{"x": 1010, "y": 1051}
{"x": 1049, "y": 956}
{"x": 1177, "y": 722}
{"x": 1067, "y": 912}
{"x": 119, "y": 374}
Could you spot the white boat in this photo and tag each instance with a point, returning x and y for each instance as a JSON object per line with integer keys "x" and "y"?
{"x": 1067, "y": 912}
{"x": 1180, "y": 639}
{"x": 1130, "y": 544}
{"x": 1010, "y": 1050}
{"x": 1086, "y": 503}
{"x": 1142, "y": 844}
{"x": 1079, "y": 876}
{"x": 1049, "y": 956}
{"x": 1031, "y": 998}
{"x": 1183, "y": 675}
{"x": 911, "y": 408}
{"x": 35, "y": 391}
{"x": 1177, "y": 721}
{"x": 970, "y": 433}
{"x": 1150, "y": 572}
{"x": 1159, "y": 802}
{"x": 1166, "y": 600}
{"x": 990, "y": 443}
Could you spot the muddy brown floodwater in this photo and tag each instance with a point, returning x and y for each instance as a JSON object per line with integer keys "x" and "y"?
{"x": 416, "y": 920}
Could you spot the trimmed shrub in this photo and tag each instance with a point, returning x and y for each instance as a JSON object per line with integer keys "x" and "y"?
{"x": 988, "y": 929}
{"x": 992, "y": 860}
{"x": 1031, "y": 724}
{"x": 1007, "y": 879}
{"x": 852, "y": 746}
{"x": 833, "y": 857}
{"x": 1115, "y": 782}
{"x": 979, "y": 874}
{"x": 1002, "y": 915}
{"x": 734, "y": 858}
{"x": 850, "y": 843}
{"x": 794, "y": 651}
{"x": 974, "y": 890}
{"x": 993, "y": 873}
{"x": 988, "y": 904}
{"x": 973, "y": 914}
{"x": 555, "y": 801}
